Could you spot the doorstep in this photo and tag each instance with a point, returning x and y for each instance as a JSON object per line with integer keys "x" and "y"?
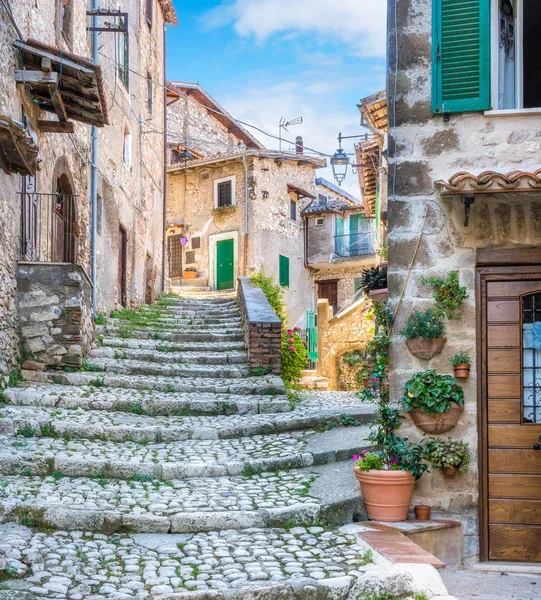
{"x": 507, "y": 567}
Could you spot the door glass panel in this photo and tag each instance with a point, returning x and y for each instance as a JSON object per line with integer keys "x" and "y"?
{"x": 531, "y": 357}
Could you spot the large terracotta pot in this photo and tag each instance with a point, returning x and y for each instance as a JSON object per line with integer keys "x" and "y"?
{"x": 387, "y": 494}
{"x": 462, "y": 371}
{"x": 426, "y": 349}
{"x": 438, "y": 423}
{"x": 379, "y": 295}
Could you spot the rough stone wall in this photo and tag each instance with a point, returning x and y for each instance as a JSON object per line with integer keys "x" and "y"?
{"x": 423, "y": 149}
{"x": 344, "y": 332}
{"x": 54, "y": 313}
{"x": 262, "y": 329}
{"x": 346, "y": 282}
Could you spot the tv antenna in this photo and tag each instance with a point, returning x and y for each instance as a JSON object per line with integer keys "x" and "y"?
{"x": 284, "y": 124}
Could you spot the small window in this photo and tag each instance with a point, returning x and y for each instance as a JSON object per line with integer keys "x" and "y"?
{"x": 293, "y": 209}
{"x": 123, "y": 55}
{"x": 196, "y": 243}
{"x": 126, "y": 154}
{"x": 190, "y": 258}
{"x": 150, "y": 91}
{"x": 320, "y": 221}
{"x": 149, "y": 5}
{"x": 322, "y": 199}
{"x": 224, "y": 192}
{"x": 284, "y": 271}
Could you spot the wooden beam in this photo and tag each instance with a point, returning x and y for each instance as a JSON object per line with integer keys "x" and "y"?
{"x": 53, "y": 57}
{"x": 56, "y": 126}
{"x": 59, "y": 107}
{"x": 36, "y": 78}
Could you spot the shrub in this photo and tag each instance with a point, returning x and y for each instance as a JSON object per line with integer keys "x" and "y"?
{"x": 428, "y": 325}
{"x": 273, "y": 292}
{"x": 449, "y": 454}
{"x": 374, "y": 278}
{"x": 432, "y": 393}
{"x": 447, "y": 293}
{"x": 294, "y": 355}
{"x": 367, "y": 461}
{"x": 461, "y": 358}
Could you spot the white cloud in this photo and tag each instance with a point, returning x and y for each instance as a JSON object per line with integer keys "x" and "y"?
{"x": 358, "y": 23}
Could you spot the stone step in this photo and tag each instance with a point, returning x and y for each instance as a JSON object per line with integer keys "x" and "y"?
{"x": 211, "y": 336}
{"x": 164, "y": 461}
{"x": 187, "y": 328}
{"x": 69, "y": 420}
{"x": 197, "y": 309}
{"x": 166, "y": 346}
{"x": 152, "y": 355}
{"x": 225, "y": 372}
{"x": 267, "y": 564}
{"x": 192, "y": 321}
{"x": 148, "y": 401}
{"x": 177, "y": 506}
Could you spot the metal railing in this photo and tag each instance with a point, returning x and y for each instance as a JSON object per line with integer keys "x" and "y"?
{"x": 355, "y": 244}
{"x": 49, "y": 230}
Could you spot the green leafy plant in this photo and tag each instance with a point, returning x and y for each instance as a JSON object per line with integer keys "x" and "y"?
{"x": 26, "y": 431}
{"x": 294, "y": 355}
{"x": 429, "y": 325}
{"x": 447, "y": 293}
{"x": 368, "y": 461}
{"x": 273, "y": 292}
{"x": 374, "y": 278}
{"x": 449, "y": 454}
{"x": 90, "y": 366}
{"x": 432, "y": 392}
{"x": 383, "y": 252}
{"x": 100, "y": 319}
{"x": 461, "y": 358}
{"x": 97, "y": 382}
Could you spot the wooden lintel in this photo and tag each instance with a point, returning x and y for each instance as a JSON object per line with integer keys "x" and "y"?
{"x": 36, "y": 78}
{"x": 56, "y": 126}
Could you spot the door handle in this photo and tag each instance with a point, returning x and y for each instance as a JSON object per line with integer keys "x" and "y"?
{"x": 537, "y": 446}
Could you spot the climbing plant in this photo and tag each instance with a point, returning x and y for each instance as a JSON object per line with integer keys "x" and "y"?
{"x": 448, "y": 294}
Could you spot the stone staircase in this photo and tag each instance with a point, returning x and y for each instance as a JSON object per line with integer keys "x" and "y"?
{"x": 165, "y": 469}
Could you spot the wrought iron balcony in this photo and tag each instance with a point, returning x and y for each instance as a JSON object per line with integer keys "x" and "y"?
{"x": 355, "y": 244}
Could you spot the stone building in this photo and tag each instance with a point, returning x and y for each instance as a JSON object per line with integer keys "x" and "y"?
{"x": 465, "y": 195}
{"x": 234, "y": 206}
{"x": 51, "y": 96}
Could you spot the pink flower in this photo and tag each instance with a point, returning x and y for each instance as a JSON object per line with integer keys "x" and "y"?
{"x": 393, "y": 461}
{"x": 292, "y": 349}
{"x": 364, "y": 451}
{"x": 297, "y": 329}
{"x": 289, "y": 331}
{"x": 355, "y": 457}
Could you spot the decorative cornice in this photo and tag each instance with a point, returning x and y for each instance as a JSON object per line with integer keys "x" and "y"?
{"x": 491, "y": 182}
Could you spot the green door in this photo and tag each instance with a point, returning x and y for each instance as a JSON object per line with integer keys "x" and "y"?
{"x": 225, "y": 270}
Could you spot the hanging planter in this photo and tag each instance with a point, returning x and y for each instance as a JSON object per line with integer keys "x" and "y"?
{"x": 425, "y": 333}
{"x": 449, "y": 456}
{"x": 439, "y": 422}
{"x": 426, "y": 349}
{"x": 461, "y": 364}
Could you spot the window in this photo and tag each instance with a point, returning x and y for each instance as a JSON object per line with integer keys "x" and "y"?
{"x": 224, "y": 192}
{"x": 123, "y": 55}
{"x": 284, "y": 271}
{"x": 126, "y": 153}
{"x": 322, "y": 199}
{"x": 149, "y": 5}
{"x": 190, "y": 257}
{"x": 293, "y": 209}
{"x": 320, "y": 221}
{"x": 516, "y": 47}
{"x": 531, "y": 358}
{"x": 64, "y": 13}
{"x": 196, "y": 243}
{"x": 150, "y": 90}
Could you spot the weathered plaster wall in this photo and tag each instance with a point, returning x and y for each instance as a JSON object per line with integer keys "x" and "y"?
{"x": 320, "y": 239}
{"x": 424, "y": 149}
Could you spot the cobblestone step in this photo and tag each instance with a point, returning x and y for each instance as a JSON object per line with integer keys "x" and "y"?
{"x": 177, "y": 506}
{"x": 187, "y": 327}
{"x": 100, "y": 416}
{"x": 268, "y": 385}
{"x": 263, "y": 563}
{"x": 170, "y": 369}
{"x": 166, "y": 346}
{"x": 211, "y": 336}
{"x": 146, "y": 402}
{"x": 173, "y": 459}
{"x": 180, "y": 311}
{"x": 159, "y": 356}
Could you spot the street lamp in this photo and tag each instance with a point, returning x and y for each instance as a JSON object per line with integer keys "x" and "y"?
{"x": 340, "y": 160}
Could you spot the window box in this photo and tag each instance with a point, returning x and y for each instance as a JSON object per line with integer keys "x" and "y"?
{"x": 222, "y": 213}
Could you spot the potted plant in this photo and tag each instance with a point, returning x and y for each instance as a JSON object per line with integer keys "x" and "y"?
{"x": 388, "y": 470}
{"x": 189, "y": 273}
{"x": 374, "y": 283}
{"x": 461, "y": 362}
{"x": 448, "y": 294}
{"x": 425, "y": 333}
{"x": 449, "y": 456}
{"x": 434, "y": 401}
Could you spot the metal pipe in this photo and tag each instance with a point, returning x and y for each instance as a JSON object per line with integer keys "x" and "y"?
{"x": 94, "y": 170}
{"x": 164, "y": 217}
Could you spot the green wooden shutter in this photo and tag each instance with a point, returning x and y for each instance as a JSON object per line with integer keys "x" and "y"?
{"x": 460, "y": 55}
{"x": 284, "y": 271}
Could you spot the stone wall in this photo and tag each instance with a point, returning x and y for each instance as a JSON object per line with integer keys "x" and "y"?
{"x": 54, "y": 314}
{"x": 262, "y": 329}
{"x": 344, "y": 332}
{"x": 346, "y": 276}
{"x": 423, "y": 148}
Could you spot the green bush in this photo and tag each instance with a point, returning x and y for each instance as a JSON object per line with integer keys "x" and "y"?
{"x": 374, "y": 278}
{"x": 432, "y": 393}
{"x": 368, "y": 461}
{"x": 428, "y": 325}
{"x": 449, "y": 454}
{"x": 294, "y": 355}
{"x": 273, "y": 292}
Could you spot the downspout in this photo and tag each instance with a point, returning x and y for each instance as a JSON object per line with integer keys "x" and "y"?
{"x": 164, "y": 223}
{"x": 246, "y": 216}
{"x": 94, "y": 170}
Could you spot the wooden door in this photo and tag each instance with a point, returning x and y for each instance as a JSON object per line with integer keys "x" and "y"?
{"x": 175, "y": 256}
{"x": 123, "y": 266}
{"x": 510, "y": 368}
{"x": 225, "y": 268}
{"x": 328, "y": 290}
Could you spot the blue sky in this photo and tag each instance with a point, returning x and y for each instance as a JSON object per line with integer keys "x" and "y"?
{"x": 264, "y": 59}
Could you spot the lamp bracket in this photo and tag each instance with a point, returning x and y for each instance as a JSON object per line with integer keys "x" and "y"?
{"x": 469, "y": 199}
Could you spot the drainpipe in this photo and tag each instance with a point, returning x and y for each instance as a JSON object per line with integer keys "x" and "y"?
{"x": 164, "y": 223}
{"x": 246, "y": 215}
{"x": 94, "y": 170}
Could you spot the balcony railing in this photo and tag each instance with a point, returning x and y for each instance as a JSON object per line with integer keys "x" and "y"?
{"x": 355, "y": 244}
{"x": 49, "y": 230}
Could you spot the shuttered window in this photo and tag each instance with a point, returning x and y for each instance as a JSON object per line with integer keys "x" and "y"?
{"x": 225, "y": 195}
{"x": 284, "y": 271}
{"x": 461, "y": 55}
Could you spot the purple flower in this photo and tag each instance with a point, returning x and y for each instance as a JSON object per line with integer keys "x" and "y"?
{"x": 355, "y": 457}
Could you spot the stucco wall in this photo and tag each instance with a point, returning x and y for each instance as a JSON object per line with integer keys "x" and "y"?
{"x": 422, "y": 150}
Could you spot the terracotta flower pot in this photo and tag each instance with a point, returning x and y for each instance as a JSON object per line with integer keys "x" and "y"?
{"x": 189, "y": 274}
{"x": 379, "y": 295}
{"x": 422, "y": 513}
{"x": 449, "y": 471}
{"x": 423, "y": 348}
{"x": 438, "y": 423}
{"x": 462, "y": 371}
{"x": 387, "y": 494}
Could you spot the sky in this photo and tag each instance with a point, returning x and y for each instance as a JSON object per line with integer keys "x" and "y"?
{"x": 267, "y": 59}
